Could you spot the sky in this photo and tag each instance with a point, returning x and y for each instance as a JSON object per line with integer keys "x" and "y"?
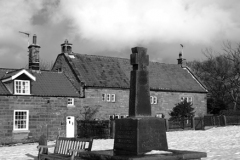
{"x": 113, "y": 27}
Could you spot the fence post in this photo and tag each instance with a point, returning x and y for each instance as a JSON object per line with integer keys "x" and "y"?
{"x": 113, "y": 128}
{"x": 183, "y": 122}
{"x": 213, "y": 120}
{"x": 192, "y": 123}
{"x": 202, "y": 123}
{"x": 224, "y": 120}
{"x": 166, "y": 125}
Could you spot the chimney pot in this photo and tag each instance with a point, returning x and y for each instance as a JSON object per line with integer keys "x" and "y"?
{"x": 66, "y": 47}
{"x": 181, "y": 60}
{"x": 180, "y": 55}
{"x": 34, "y": 39}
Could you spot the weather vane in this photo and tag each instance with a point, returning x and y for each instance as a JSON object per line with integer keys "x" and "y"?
{"x": 28, "y": 34}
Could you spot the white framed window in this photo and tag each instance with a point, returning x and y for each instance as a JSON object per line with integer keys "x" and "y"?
{"x": 70, "y": 102}
{"x": 116, "y": 117}
{"x": 20, "y": 120}
{"x": 111, "y": 117}
{"x": 153, "y": 99}
{"x": 113, "y": 97}
{"x": 159, "y": 115}
{"x": 59, "y": 70}
{"x": 108, "y": 97}
{"x": 104, "y": 97}
{"x": 22, "y": 86}
{"x": 187, "y": 98}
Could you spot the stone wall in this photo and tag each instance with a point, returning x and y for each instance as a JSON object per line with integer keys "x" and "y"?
{"x": 54, "y": 113}
{"x": 42, "y": 115}
{"x": 165, "y": 102}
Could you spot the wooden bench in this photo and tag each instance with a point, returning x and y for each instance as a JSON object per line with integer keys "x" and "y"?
{"x": 65, "y": 148}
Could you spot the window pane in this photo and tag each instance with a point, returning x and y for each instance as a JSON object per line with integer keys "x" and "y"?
{"x": 22, "y": 87}
{"x": 26, "y": 87}
{"x": 155, "y": 100}
{"x": 189, "y": 99}
{"x": 20, "y": 120}
{"x": 151, "y": 99}
{"x": 113, "y": 97}
{"x": 70, "y": 101}
{"x": 103, "y": 97}
{"x": 108, "y": 97}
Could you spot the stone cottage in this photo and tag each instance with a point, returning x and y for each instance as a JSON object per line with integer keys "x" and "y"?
{"x": 35, "y": 102}
{"x": 105, "y": 81}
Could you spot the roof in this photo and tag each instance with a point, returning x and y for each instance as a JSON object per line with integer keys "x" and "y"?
{"x": 114, "y": 72}
{"x": 5, "y": 71}
{"x": 53, "y": 84}
{"x": 14, "y": 74}
{"x": 47, "y": 83}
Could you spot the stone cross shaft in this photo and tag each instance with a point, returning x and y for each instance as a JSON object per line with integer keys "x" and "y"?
{"x": 139, "y": 100}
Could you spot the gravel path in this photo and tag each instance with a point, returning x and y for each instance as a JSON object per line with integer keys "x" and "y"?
{"x": 221, "y": 143}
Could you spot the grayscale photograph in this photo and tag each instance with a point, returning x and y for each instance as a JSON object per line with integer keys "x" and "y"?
{"x": 119, "y": 80}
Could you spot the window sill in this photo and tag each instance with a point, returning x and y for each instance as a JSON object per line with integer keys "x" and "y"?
{"x": 71, "y": 106}
{"x": 19, "y": 94}
{"x": 21, "y": 131}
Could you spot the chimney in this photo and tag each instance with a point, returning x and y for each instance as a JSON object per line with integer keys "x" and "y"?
{"x": 66, "y": 47}
{"x": 34, "y": 54}
{"x": 181, "y": 60}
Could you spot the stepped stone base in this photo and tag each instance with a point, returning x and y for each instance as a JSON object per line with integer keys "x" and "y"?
{"x": 138, "y": 135}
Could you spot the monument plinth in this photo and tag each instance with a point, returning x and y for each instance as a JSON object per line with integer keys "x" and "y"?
{"x": 139, "y": 133}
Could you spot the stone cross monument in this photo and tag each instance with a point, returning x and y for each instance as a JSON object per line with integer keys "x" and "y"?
{"x": 139, "y": 100}
{"x": 139, "y": 133}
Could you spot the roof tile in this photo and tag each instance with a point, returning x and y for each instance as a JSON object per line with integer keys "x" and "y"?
{"x": 47, "y": 83}
{"x": 114, "y": 72}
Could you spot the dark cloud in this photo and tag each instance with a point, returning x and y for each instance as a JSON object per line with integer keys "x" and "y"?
{"x": 111, "y": 28}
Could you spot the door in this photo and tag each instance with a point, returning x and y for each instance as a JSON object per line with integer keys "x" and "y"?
{"x": 70, "y": 123}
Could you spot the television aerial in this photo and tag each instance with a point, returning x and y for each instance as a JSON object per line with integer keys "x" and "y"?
{"x": 28, "y": 34}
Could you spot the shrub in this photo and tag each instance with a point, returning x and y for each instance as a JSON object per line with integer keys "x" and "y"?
{"x": 181, "y": 110}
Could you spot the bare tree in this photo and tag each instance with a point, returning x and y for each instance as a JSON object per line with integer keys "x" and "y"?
{"x": 221, "y": 74}
{"x": 89, "y": 112}
{"x": 44, "y": 65}
{"x": 233, "y": 81}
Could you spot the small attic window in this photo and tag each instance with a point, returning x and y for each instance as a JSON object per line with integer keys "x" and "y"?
{"x": 71, "y": 56}
{"x": 59, "y": 70}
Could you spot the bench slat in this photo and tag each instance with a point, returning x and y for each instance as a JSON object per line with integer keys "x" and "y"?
{"x": 63, "y": 145}
{"x": 60, "y": 147}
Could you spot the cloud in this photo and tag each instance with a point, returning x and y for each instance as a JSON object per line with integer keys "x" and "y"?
{"x": 114, "y": 26}
{"x": 128, "y": 22}
{"x": 15, "y": 16}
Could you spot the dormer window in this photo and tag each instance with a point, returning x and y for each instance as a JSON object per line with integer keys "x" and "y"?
{"x": 22, "y": 87}
{"x": 18, "y": 82}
